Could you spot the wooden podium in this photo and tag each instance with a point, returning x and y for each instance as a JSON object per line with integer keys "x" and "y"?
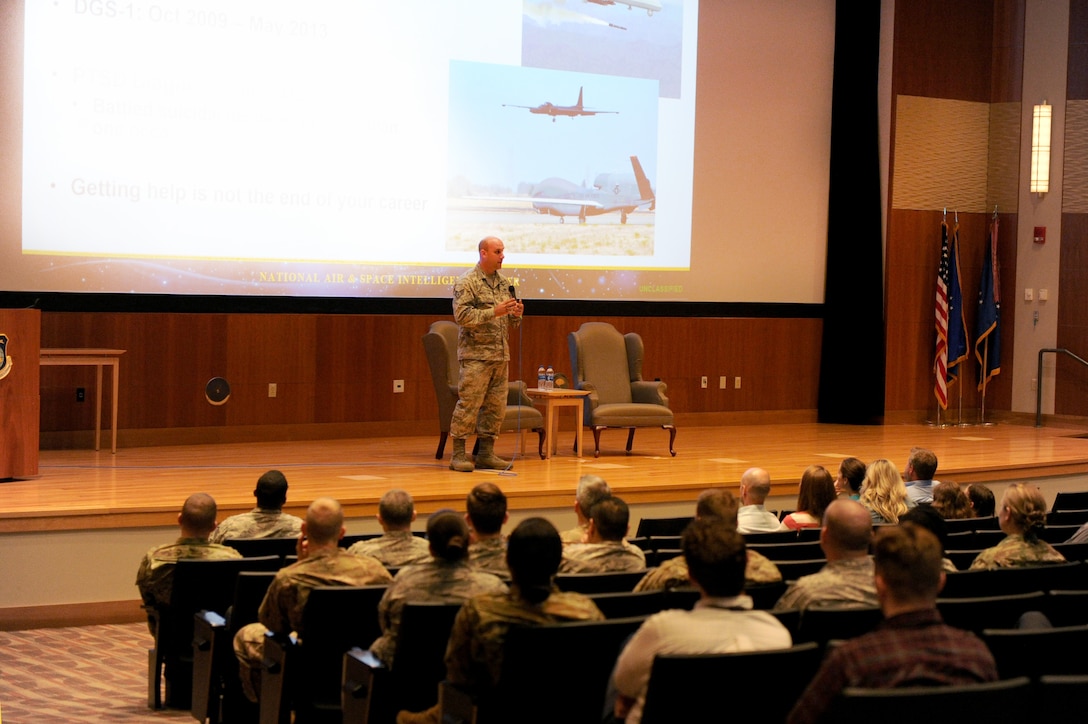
{"x": 20, "y": 406}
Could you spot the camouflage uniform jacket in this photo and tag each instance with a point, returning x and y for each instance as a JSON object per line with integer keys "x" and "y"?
{"x": 574, "y": 535}
{"x": 258, "y": 523}
{"x": 474, "y": 654}
{"x": 489, "y": 555}
{"x": 156, "y": 575}
{"x": 608, "y": 557}
{"x": 480, "y": 335}
{"x": 394, "y": 549}
{"x": 1014, "y": 551}
{"x": 281, "y": 609}
{"x": 432, "y": 582}
{"x": 846, "y": 582}
{"x": 673, "y": 573}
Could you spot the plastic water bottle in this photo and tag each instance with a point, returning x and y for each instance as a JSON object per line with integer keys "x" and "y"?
{"x": 549, "y": 378}
{"x": 541, "y": 377}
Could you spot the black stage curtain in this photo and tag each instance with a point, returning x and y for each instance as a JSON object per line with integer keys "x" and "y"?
{"x": 852, "y": 358}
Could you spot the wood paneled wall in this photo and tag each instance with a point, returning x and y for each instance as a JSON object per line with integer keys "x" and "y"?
{"x": 339, "y": 369}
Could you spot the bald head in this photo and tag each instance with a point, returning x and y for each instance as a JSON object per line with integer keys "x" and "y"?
{"x": 197, "y": 517}
{"x": 847, "y": 531}
{"x": 755, "y": 486}
{"x": 324, "y": 522}
{"x": 492, "y": 252}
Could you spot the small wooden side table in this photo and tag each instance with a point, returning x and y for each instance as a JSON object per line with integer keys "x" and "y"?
{"x": 552, "y": 400}
{"x": 98, "y": 358}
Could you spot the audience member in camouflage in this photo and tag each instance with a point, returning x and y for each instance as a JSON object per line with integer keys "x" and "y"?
{"x": 486, "y": 513}
{"x": 1022, "y": 515}
{"x": 196, "y": 520}
{"x": 720, "y": 505}
{"x": 267, "y": 520}
{"x": 604, "y": 550}
{"x": 484, "y": 311}
{"x": 475, "y": 650}
{"x": 321, "y": 562}
{"x": 397, "y": 546}
{"x": 591, "y": 488}
{"x": 445, "y": 578}
{"x": 847, "y": 579}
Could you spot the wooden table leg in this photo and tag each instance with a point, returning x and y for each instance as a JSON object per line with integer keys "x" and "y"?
{"x": 98, "y": 407}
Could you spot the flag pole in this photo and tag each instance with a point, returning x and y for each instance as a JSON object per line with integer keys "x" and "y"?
{"x": 985, "y": 380}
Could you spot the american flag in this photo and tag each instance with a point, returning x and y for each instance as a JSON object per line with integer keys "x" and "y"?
{"x": 940, "y": 363}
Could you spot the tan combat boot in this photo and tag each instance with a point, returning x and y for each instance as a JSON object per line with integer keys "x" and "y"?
{"x": 460, "y": 461}
{"x": 486, "y": 459}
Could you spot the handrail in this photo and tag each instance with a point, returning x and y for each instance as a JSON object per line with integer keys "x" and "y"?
{"x": 1039, "y": 380}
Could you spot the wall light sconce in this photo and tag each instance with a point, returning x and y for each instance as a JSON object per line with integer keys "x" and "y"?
{"x": 1040, "y": 148}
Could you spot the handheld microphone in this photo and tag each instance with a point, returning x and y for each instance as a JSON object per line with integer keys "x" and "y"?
{"x": 513, "y": 292}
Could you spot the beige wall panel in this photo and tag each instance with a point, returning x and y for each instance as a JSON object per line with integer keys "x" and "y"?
{"x": 1004, "y": 158}
{"x": 1075, "y": 188}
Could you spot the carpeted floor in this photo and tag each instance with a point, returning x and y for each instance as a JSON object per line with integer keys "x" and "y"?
{"x": 73, "y": 675}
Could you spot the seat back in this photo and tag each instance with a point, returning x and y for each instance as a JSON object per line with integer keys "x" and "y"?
{"x": 1071, "y": 500}
{"x": 688, "y": 687}
{"x": 1063, "y": 697}
{"x": 1067, "y": 608}
{"x": 599, "y": 582}
{"x": 624, "y": 604}
{"x": 765, "y": 595}
{"x": 792, "y": 570}
{"x": 827, "y": 623}
{"x": 1008, "y": 700}
{"x": 976, "y": 614}
{"x": 440, "y": 346}
{"x": 259, "y": 547}
{"x": 662, "y": 527}
{"x": 797, "y": 551}
{"x": 598, "y": 355}
{"x": 1035, "y": 652}
{"x": 420, "y": 656}
{"x": 558, "y": 671}
{"x": 1024, "y": 579}
{"x": 1067, "y": 516}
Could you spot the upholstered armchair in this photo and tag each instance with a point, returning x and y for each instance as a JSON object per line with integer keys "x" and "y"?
{"x": 609, "y": 365}
{"x": 440, "y": 344}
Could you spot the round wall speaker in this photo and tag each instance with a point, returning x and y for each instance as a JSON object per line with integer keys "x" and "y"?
{"x": 217, "y": 391}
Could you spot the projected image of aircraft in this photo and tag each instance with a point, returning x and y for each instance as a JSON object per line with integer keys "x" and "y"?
{"x": 550, "y": 109}
{"x": 610, "y": 192}
{"x": 650, "y": 6}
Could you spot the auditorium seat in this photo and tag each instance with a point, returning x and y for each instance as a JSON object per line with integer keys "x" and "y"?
{"x": 258, "y": 547}
{"x": 306, "y": 677}
{"x": 1067, "y": 608}
{"x": 792, "y": 570}
{"x": 690, "y": 687}
{"x": 657, "y": 527}
{"x": 372, "y": 692}
{"x": 983, "y": 612}
{"x": 1062, "y": 697}
{"x": 624, "y": 604}
{"x": 1023, "y": 579}
{"x": 552, "y": 673}
{"x": 826, "y": 623}
{"x": 1000, "y": 701}
{"x": 795, "y": 551}
{"x": 199, "y": 584}
{"x": 608, "y": 365}
{"x": 1070, "y": 500}
{"x": 1036, "y": 652}
{"x": 1067, "y": 517}
{"x": 599, "y": 582}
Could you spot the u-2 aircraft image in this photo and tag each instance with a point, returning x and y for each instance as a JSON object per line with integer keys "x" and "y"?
{"x": 610, "y": 192}
{"x": 550, "y": 109}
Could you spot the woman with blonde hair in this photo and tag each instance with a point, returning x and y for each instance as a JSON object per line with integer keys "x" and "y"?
{"x": 884, "y": 493}
{"x": 1022, "y": 514}
{"x": 951, "y": 501}
{"x": 814, "y": 494}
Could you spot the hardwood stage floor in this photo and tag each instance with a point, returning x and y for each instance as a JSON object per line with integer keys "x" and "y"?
{"x": 83, "y": 489}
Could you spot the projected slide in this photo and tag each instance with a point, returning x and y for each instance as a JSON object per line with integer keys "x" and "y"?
{"x": 354, "y": 147}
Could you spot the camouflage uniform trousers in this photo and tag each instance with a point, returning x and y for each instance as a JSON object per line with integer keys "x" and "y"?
{"x": 481, "y": 398}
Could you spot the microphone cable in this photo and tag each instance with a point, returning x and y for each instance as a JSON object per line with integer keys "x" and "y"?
{"x": 508, "y": 472}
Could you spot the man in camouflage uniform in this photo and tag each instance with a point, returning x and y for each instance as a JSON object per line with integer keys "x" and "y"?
{"x": 446, "y": 577}
{"x": 397, "y": 546}
{"x": 197, "y": 520}
{"x": 475, "y": 650}
{"x": 485, "y": 512}
{"x": 604, "y": 550}
{"x": 267, "y": 520}
{"x": 484, "y": 311}
{"x": 321, "y": 562}
{"x": 720, "y": 506}
{"x": 847, "y": 579}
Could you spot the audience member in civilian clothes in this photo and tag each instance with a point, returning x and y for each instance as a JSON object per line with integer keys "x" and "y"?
{"x": 851, "y": 476}
{"x": 951, "y": 501}
{"x": 591, "y": 488}
{"x": 604, "y": 550}
{"x": 755, "y": 486}
{"x": 814, "y": 494}
{"x": 912, "y": 646}
{"x": 918, "y": 475}
{"x": 1022, "y": 516}
{"x": 883, "y": 493}
{"x": 721, "y": 622}
{"x": 928, "y": 517}
{"x": 847, "y": 579}
{"x": 982, "y": 500}
{"x": 396, "y": 546}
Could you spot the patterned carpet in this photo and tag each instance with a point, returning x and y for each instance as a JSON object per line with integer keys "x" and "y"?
{"x": 86, "y": 674}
